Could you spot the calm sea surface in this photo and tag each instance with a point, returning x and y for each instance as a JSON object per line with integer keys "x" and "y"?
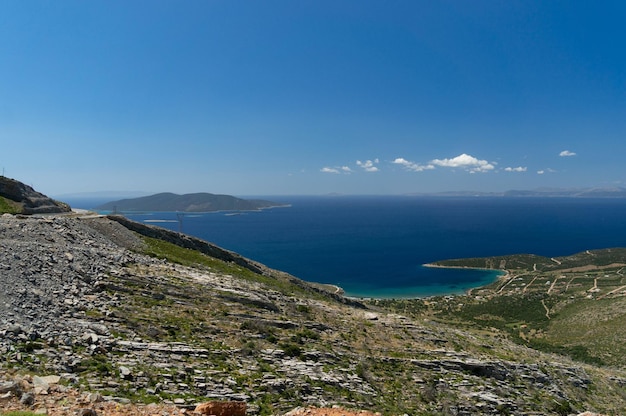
{"x": 376, "y": 246}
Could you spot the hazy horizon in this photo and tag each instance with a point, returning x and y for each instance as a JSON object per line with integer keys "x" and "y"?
{"x": 138, "y": 194}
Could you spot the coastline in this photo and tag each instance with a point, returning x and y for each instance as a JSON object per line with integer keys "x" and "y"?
{"x": 504, "y": 272}
{"x": 462, "y": 267}
{"x": 217, "y": 211}
{"x": 426, "y": 291}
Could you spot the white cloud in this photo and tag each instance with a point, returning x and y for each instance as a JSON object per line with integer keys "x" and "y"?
{"x": 368, "y": 165}
{"x": 336, "y": 170}
{"x": 566, "y": 153}
{"x": 466, "y": 162}
{"x": 415, "y": 167}
{"x": 548, "y": 170}
{"x": 517, "y": 169}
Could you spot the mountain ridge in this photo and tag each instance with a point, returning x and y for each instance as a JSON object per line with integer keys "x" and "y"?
{"x": 593, "y": 192}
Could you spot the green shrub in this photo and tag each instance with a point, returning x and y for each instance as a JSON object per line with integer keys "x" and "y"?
{"x": 291, "y": 349}
{"x": 7, "y": 206}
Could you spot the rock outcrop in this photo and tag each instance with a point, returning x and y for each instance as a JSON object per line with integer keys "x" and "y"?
{"x": 26, "y": 200}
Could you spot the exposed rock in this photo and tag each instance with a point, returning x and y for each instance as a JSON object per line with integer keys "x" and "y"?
{"x": 9, "y": 387}
{"x": 27, "y": 200}
{"x": 27, "y": 399}
{"x": 125, "y": 373}
{"x": 94, "y": 397}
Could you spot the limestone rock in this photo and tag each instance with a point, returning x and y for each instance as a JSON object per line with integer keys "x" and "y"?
{"x": 27, "y": 399}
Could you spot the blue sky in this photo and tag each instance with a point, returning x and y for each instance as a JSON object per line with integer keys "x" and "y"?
{"x": 312, "y": 97}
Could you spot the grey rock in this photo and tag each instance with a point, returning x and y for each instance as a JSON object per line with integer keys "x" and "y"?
{"x": 27, "y": 399}
{"x": 125, "y": 373}
{"x": 8, "y": 387}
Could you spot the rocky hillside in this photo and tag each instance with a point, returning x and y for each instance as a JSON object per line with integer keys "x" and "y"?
{"x": 18, "y": 198}
{"x": 133, "y": 313}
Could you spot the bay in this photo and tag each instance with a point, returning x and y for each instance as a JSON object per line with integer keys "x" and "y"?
{"x": 377, "y": 246}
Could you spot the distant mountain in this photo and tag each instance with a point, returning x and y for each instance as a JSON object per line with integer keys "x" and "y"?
{"x": 614, "y": 192}
{"x": 196, "y": 202}
{"x": 609, "y": 192}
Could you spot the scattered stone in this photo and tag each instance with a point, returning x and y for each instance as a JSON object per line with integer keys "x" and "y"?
{"x": 9, "y": 387}
{"x": 370, "y": 316}
{"x": 125, "y": 373}
{"x": 95, "y": 398}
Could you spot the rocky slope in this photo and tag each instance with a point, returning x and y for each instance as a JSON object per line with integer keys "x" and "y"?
{"x": 140, "y": 316}
{"x": 17, "y": 197}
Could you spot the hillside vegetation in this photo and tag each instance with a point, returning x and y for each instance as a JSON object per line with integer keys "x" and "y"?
{"x": 148, "y": 315}
{"x": 573, "y": 305}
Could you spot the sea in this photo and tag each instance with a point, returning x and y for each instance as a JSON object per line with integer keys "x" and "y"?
{"x": 377, "y": 246}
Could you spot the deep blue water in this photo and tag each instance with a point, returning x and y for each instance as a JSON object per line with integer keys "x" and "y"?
{"x": 376, "y": 246}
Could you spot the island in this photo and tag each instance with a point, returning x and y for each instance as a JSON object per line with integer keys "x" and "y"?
{"x": 194, "y": 202}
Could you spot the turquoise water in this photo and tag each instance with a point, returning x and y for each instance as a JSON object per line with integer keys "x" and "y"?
{"x": 376, "y": 246}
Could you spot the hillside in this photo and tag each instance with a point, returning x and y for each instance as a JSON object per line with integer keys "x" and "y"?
{"x": 574, "y": 305}
{"x": 196, "y": 202}
{"x": 18, "y": 198}
{"x": 137, "y": 313}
